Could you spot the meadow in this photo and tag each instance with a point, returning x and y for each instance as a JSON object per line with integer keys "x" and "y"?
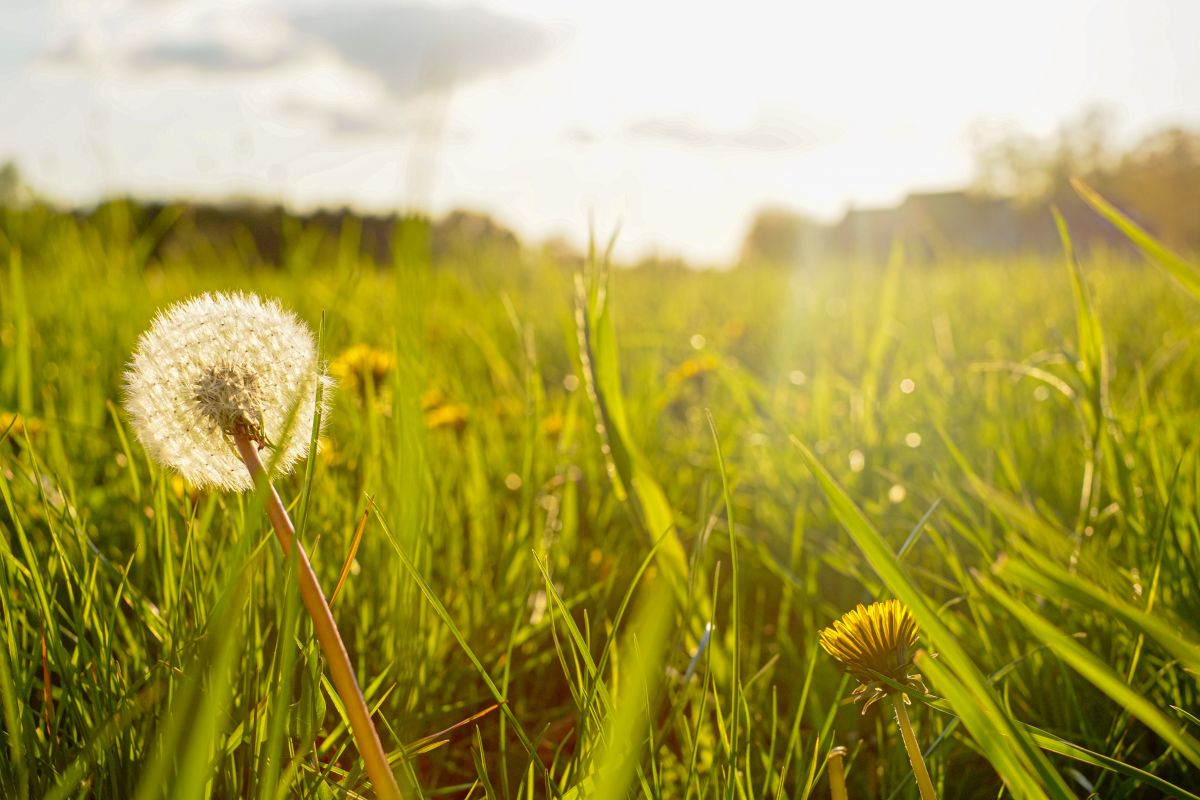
{"x": 582, "y": 526}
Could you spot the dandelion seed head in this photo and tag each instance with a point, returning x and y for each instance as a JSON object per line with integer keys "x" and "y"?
{"x": 229, "y": 395}
{"x": 212, "y": 363}
{"x": 874, "y": 640}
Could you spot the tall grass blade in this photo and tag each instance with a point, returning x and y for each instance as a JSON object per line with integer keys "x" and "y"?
{"x": 1186, "y": 273}
{"x": 1102, "y": 676}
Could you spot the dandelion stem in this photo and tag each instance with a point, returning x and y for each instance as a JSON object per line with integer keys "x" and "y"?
{"x": 837, "y": 774}
{"x": 340, "y": 670}
{"x": 914, "y": 750}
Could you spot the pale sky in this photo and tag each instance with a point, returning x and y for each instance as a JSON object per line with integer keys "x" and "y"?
{"x": 677, "y": 120}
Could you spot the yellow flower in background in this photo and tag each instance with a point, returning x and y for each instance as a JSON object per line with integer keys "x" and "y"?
{"x": 442, "y": 412}
{"x": 329, "y": 453}
{"x": 360, "y": 363}
{"x": 432, "y": 398}
{"x": 17, "y": 424}
{"x": 692, "y": 368}
{"x": 448, "y": 415}
{"x": 553, "y": 424}
{"x": 874, "y": 640}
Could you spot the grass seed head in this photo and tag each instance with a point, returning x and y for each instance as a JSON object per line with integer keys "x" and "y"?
{"x": 874, "y": 640}
{"x": 215, "y": 362}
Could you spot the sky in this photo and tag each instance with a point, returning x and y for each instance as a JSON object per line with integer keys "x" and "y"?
{"x": 675, "y": 121}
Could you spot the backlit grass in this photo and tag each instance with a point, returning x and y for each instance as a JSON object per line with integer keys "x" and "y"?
{"x": 524, "y": 502}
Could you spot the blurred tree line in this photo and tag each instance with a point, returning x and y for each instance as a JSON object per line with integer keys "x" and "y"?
{"x": 259, "y": 233}
{"x": 1007, "y": 209}
{"x": 1158, "y": 179}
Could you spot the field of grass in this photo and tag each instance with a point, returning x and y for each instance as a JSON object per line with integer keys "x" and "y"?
{"x": 554, "y": 486}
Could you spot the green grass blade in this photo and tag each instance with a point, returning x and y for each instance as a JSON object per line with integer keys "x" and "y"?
{"x": 628, "y": 726}
{"x": 1102, "y": 676}
{"x": 1055, "y": 744}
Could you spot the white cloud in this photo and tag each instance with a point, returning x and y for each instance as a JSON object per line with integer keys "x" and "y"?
{"x": 413, "y": 49}
{"x": 205, "y": 55}
{"x": 409, "y": 48}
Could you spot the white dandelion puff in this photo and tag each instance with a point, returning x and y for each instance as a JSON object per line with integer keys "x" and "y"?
{"x": 215, "y": 362}
{"x": 215, "y": 379}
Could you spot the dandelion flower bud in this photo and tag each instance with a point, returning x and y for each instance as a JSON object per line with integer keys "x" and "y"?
{"x": 215, "y": 363}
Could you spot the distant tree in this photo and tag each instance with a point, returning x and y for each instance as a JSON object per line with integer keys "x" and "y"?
{"x": 1161, "y": 179}
{"x": 780, "y": 236}
{"x": 1010, "y": 163}
{"x": 1158, "y": 181}
{"x": 13, "y": 189}
{"x": 461, "y": 233}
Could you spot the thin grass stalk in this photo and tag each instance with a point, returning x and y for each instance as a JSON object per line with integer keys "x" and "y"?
{"x": 341, "y": 673}
{"x": 914, "y": 750}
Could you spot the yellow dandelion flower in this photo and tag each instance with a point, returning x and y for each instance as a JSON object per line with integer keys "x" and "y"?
{"x": 692, "y": 368}
{"x": 432, "y": 398}
{"x": 877, "y": 641}
{"x": 874, "y": 640}
{"x": 553, "y": 424}
{"x": 450, "y": 415}
{"x": 329, "y": 453}
{"x": 359, "y": 364}
{"x": 11, "y": 422}
{"x": 14, "y": 425}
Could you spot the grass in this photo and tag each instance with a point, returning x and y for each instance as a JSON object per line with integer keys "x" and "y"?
{"x": 535, "y": 517}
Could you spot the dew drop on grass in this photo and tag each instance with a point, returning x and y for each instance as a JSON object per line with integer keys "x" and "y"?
{"x": 908, "y": 386}
{"x": 857, "y": 461}
{"x": 897, "y": 494}
{"x": 698, "y": 341}
{"x": 912, "y": 439}
{"x": 512, "y": 481}
{"x": 797, "y": 378}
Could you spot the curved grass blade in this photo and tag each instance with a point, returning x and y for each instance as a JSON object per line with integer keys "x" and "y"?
{"x": 1186, "y": 273}
{"x": 1102, "y": 676}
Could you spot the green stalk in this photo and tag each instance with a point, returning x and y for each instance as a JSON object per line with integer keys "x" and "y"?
{"x": 341, "y": 672}
{"x": 914, "y": 750}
